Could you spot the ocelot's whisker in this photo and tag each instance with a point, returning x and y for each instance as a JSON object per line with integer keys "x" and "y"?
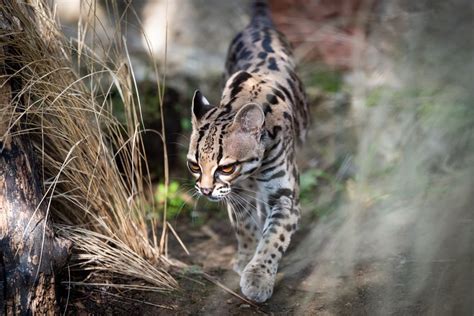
{"x": 196, "y": 204}
{"x": 236, "y": 207}
{"x": 232, "y": 208}
{"x": 254, "y": 196}
{"x": 247, "y": 211}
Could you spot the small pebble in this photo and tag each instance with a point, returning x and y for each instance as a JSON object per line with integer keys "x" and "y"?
{"x": 244, "y": 306}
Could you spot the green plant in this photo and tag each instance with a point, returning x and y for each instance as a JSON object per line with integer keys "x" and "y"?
{"x": 309, "y": 181}
{"x": 176, "y": 200}
{"x": 327, "y": 80}
{"x": 320, "y": 191}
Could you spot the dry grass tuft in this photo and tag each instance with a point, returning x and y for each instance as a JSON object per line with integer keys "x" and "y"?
{"x": 92, "y": 166}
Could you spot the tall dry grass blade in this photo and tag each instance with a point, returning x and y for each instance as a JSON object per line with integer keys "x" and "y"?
{"x": 164, "y": 236}
{"x": 178, "y": 238}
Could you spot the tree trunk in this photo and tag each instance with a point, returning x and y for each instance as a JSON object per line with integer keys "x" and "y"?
{"x": 30, "y": 253}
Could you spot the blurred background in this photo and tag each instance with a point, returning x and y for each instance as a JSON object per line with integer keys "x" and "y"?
{"x": 387, "y": 171}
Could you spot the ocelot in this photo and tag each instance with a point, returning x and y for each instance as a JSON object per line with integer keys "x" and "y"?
{"x": 242, "y": 151}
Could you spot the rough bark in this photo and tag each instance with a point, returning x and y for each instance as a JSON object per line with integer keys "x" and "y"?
{"x": 30, "y": 253}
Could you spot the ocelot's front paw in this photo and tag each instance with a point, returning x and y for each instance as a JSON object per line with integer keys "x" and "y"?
{"x": 257, "y": 283}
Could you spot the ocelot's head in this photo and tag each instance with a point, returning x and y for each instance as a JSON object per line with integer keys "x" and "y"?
{"x": 225, "y": 146}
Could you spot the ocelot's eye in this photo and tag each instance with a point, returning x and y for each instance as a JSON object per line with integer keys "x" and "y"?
{"x": 228, "y": 169}
{"x": 193, "y": 167}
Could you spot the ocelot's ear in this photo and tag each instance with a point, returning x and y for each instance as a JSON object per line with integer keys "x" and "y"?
{"x": 200, "y": 106}
{"x": 250, "y": 118}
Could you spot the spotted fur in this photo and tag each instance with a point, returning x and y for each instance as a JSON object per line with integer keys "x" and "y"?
{"x": 242, "y": 151}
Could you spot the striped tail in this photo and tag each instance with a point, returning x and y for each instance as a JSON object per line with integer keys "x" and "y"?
{"x": 261, "y": 12}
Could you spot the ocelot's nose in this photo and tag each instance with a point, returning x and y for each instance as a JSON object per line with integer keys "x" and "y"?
{"x": 206, "y": 191}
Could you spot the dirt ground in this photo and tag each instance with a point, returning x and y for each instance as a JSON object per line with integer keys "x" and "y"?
{"x": 212, "y": 247}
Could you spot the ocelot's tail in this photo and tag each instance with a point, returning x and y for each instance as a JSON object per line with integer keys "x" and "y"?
{"x": 261, "y": 12}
